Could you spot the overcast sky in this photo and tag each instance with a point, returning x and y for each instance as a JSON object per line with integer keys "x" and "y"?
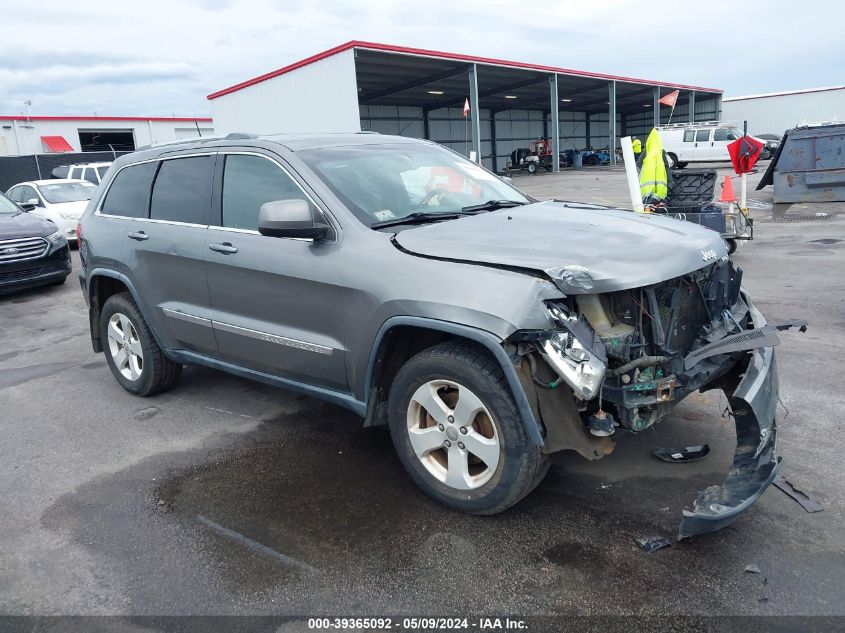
{"x": 163, "y": 57}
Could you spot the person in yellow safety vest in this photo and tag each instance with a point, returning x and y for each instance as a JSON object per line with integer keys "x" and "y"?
{"x": 654, "y": 185}
{"x": 637, "y": 144}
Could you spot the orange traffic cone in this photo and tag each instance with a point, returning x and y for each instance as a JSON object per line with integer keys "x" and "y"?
{"x": 728, "y": 191}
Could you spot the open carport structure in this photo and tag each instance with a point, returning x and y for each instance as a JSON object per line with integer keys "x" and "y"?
{"x": 420, "y": 93}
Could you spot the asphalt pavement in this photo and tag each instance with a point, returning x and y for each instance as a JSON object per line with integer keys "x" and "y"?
{"x": 224, "y": 496}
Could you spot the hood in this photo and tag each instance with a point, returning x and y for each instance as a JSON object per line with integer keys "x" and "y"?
{"x": 583, "y": 248}
{"x": 24, "y": 225}
{"x": 73, "y": 209}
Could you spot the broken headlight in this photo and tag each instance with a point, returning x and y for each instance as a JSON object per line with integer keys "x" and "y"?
{"x": 578, "y": 366}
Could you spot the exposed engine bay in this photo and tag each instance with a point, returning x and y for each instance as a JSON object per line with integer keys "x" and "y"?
{"x": 629, "y": 356}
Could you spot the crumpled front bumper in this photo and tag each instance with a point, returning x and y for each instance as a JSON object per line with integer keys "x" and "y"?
{"x": 753, "y": 399}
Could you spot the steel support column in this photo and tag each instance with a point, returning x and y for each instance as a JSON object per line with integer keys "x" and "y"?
{"x": 493, "y": 147}
{"x": 692, "y": 106}
{"x": 555, "y": 115}
{"x": 426, "y": 130}
{"x": 588, "y": 139}
{"x": 656, "y": 106}
{"x": 475, "y": 112}
{"x": 719, "y": 107}
{"x": 611, "y": 121}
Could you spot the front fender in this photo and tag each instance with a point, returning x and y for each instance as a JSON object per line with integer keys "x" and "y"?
{"x": 486, "y": 339}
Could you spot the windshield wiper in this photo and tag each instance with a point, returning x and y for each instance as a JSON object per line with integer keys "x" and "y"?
{"x": 492, "y": 205}
{"x": 419, "y": 217}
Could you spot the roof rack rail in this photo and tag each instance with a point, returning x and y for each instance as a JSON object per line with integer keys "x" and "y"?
{"x": 232, "y": 136}
{"x": 678, "y": 126}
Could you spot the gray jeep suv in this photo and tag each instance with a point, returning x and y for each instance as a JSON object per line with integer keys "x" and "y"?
{"x": 396, "y": 278}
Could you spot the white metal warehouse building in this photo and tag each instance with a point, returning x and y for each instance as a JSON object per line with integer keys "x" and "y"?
{"x": 420, "y": 93}
{"x": 776, "y": 112}
{"x": 26, "y": 135}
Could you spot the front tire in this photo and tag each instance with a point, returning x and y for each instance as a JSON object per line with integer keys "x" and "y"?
{"x": 132, "y": 354}
{"x": 458, "y": 432}
{"x": 673, "y": 161}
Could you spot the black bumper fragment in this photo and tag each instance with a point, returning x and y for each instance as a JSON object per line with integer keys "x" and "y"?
{"x": 753, "y": 400}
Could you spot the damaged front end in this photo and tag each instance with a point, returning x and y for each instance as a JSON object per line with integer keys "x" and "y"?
{"x": 630, "y": 356}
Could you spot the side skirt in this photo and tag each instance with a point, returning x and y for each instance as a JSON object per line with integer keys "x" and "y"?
{"x": 335, "y": 397}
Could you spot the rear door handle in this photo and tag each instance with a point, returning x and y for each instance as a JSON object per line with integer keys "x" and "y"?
{"x": 226, "y": 248}
{"x": 137, "y": 235}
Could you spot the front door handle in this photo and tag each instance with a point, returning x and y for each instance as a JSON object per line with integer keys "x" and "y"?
{"x": 226, "y": 248}
{"x": 137, "y": 235}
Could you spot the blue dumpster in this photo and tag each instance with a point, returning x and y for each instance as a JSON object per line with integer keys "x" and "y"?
{"x": 809, "y": 165}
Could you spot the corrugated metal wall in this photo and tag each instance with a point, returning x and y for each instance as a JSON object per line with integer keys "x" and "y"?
{"x": 319, "y": 97}
{"x": 640, "y": 124}
{"x": 514, "y": 128}
{"x": 775, "y": 115}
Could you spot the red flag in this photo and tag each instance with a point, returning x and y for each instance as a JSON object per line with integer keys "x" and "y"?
{"x": 669, "y": 100}
{"x": 466, "y": 108}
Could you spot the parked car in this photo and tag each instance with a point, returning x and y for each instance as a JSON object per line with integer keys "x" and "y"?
{"x": 395, "y": 278}
{"x": 60, "y": 201}
{"x": 772, "y": 142}
{"x": 92, "y": 172}
{"x": 33, "y": 251}
{"x": 698, "y": 142}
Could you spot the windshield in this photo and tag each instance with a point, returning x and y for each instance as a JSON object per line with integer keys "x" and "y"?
{"x": 67, "y": 192}
{"x": 380, "y": 183}
{"x": 7, "y": 207}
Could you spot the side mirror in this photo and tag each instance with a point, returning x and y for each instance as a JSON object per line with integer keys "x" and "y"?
{"x": 30, "y": 204}
{"x": 290, "y": 218}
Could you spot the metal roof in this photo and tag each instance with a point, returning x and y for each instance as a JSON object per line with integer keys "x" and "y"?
{"x": 784, "y": 93}
{"x": 21, "y": 117}
{"x": 419, "y": 54}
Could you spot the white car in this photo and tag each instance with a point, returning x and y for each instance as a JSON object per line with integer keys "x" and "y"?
{"x": 60, "y": 201}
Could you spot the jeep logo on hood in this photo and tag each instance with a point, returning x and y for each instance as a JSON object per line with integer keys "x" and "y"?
{"x": 708, "y": 255}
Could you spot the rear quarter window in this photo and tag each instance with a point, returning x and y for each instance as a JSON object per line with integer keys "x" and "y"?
{"x": 182, "y": 190}
{"x": 129, "y": 193}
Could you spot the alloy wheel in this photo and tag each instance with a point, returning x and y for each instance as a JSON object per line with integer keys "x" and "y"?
{"x": 453, "y": 434}
{"x": 124, "y": 347}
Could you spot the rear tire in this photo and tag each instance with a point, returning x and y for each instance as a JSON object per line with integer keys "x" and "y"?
{"x": 458, "y": 432}
{"x": 531, "y": 167}
{"x": 132, "y": 354}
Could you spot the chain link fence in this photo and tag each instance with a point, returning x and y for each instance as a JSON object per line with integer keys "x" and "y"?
{"x": 15, "y": 169}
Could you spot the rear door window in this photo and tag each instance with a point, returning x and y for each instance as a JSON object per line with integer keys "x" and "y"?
{"x": 129, "y": 194}
{"x": 689, "y": 136}
{"x": 182, "y": 190}
{"x": 702, "y": 135}
{"x": 249, "y": 182}
{"x": 76, "y": 172}
{"x": 89, "y": 175}
{"x": 101, "y": 173}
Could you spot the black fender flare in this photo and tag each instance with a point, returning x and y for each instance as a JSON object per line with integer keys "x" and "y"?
{"x": 113, "y": 274}
{"x": 489, "y": 341}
